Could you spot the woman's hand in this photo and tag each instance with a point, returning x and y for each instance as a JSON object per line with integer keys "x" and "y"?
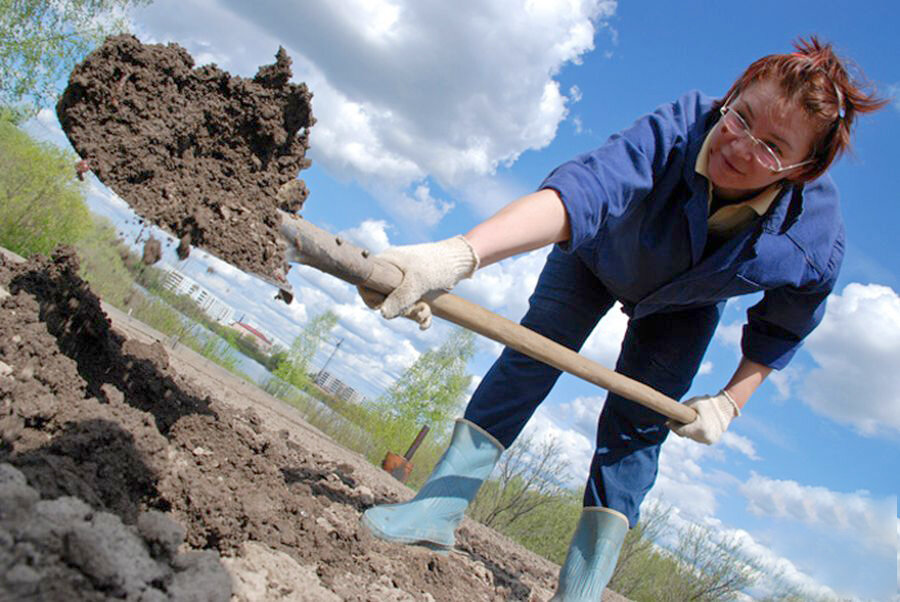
{"x": 714, "y": 414}
{"x": 427, "y": 267}
{"x": 530, "y": 222}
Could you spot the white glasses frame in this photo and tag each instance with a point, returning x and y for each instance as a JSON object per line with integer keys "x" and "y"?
{"x": 761, "y": 151}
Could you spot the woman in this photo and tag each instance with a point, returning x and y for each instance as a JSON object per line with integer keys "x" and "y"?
{"x": 698, "y": 202}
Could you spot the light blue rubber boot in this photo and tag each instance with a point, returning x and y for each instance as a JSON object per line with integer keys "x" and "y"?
{"x": 592, "y": 556}
{"x": 433, "y": 514}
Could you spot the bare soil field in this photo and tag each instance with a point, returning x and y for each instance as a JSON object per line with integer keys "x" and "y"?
{"x": 130, "y": 470}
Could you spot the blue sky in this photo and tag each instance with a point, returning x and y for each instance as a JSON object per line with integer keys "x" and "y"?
{"x": 432, "y": 115}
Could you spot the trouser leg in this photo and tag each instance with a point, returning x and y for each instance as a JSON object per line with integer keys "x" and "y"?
{"x": 566, "y": 305}
{"x": 663, "y": 351}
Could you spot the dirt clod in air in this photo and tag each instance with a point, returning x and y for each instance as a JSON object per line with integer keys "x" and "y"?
{"x": 152, "y": 251}
{"x": 207, "y": 156}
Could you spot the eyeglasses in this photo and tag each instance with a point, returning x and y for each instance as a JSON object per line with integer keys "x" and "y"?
{"x": 762, "y": 152}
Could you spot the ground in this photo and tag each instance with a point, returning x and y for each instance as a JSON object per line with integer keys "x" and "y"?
{"x": 132, "y": 469}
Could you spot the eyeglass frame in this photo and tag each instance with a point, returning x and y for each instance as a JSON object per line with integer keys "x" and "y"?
{"x": 726, "y": 108}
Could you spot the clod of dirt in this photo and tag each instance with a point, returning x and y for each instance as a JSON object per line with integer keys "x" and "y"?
{"x": 152, "y": 251}
{"x": 207, "y": 156}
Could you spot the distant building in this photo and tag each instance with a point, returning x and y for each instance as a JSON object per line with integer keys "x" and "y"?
{"x": 331, "y": 384}
{"x": 264, "y": 342}
{"x": 216, "y": 309}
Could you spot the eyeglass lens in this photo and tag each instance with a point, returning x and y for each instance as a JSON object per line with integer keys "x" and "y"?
{"x": 761, "y": 152}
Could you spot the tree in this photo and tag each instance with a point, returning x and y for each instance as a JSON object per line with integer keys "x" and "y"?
{"x": 295, "y": 368}
{"x": 526, "y": 480}
{"x": 432, "y": 389}
{"x": 100, "y": 254}
{"x": 41, "y": 202}
{"x": 40, "y": 43}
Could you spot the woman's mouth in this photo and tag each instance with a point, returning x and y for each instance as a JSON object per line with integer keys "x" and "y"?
{"x": 731, "y": 165}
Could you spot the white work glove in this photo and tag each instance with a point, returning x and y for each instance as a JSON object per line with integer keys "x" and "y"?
{"x": 714, "y": 414}
{"x": 427, "y": 267}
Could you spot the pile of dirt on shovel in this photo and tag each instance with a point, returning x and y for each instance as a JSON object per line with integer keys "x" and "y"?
{"x": 207, "y": 156}
{"x": 121, "y": 479}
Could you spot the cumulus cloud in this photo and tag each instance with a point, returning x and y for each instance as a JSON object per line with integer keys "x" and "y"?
{"x": 605, "y": 342}
{"x": 370, "y": 234}
{"x": 894, "y": 94}
{"x": 857, "y": 348}
{"x": 682, "y": 482}
{"x": 407, "y": 91}
{"x": 730, "y": 334}
{"x": 740, "y": 444}
{"x": 504, "y": 287}
{"x": 869, "y": 520}
{"x": 573, "y": 425}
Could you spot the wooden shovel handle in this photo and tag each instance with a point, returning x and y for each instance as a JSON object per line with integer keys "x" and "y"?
{"x": 324, "y": 251}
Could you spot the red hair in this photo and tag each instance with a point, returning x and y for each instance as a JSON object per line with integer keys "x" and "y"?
{"x": 815, "y": 78}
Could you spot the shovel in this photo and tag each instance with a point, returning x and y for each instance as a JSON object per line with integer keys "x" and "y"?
{"x": 317, "y": 248}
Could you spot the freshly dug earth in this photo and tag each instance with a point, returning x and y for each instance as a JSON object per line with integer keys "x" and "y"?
{"x": 120, "y": 478}
{"x": 206, "y": 156}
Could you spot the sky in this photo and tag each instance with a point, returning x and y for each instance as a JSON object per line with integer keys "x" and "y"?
{"x": 433, "y": 115}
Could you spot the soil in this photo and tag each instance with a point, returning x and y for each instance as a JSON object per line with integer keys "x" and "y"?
{"x": 207, "y": 156}
{"x": 152, "y": 251}
{"x": 130, "y": 469}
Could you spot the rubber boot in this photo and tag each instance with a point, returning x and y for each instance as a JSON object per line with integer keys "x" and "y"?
{"x": 433, "y": 514}
{"x": 592, "y": 556}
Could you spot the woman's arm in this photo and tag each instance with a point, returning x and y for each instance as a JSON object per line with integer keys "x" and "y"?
{"x": 715, "y": 412}
{"x": 530, "y": 222}
{"x": 748, "y": 376}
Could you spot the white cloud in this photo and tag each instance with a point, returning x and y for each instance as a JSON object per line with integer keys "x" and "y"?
{"x": 504, "y": 287}
{"x": 705, "y": 368}
{"x": 573, "y": 426}
{"x": 857, "y": 349}
{"x": 414, "y": 90}
{"x": 682, "y": 481}
{"x": 778, "y": 567}
{"x": 869, "y": 521}
{"x": 605, "y": 342}
{"x": 730, "y": 334}
{"x": 783, "y": 381}
{"x": 740, "y": 444}
{"x": 371, "y": 235}
{"x": 893, "y": 92}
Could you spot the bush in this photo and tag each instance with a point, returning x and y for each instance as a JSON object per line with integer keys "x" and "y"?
{"x": 43, "y": 204}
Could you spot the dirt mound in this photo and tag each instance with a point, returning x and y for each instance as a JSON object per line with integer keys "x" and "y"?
{"x": 117, "y": 445}
{"x": 207, "y": 156}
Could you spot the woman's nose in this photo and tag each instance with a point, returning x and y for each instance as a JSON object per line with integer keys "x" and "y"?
{"x": 743, "y": 147}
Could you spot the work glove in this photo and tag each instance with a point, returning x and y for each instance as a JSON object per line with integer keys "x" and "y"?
{"x": 427, "y": 267}
{"x": 714, "y": 414}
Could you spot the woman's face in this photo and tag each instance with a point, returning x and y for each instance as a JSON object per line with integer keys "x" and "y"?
{"x": 785, "y": 128}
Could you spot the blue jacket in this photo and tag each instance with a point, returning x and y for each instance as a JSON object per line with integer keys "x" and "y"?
{"x": 638, "y": 215}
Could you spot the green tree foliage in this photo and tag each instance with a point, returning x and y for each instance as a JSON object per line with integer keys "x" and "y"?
{"x": 102, "y": 265}
{"x": 295, "y": 369}
{"x": 432, "y": 389}
{"x": 41, "y": 41}
{"x": 41, "y": 202}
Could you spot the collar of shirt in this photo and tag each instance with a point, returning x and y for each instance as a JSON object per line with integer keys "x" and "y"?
{"x": 730, "y": 218}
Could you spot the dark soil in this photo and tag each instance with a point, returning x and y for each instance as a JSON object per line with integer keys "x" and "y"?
{"x": 207, "y": 156}
{"x": 105, "y": 450}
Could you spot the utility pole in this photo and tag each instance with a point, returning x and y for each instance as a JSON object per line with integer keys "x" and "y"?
{"x": 325, "y": 365}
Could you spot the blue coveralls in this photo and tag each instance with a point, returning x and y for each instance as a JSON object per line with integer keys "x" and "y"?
{"x": 638, "y": 215}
